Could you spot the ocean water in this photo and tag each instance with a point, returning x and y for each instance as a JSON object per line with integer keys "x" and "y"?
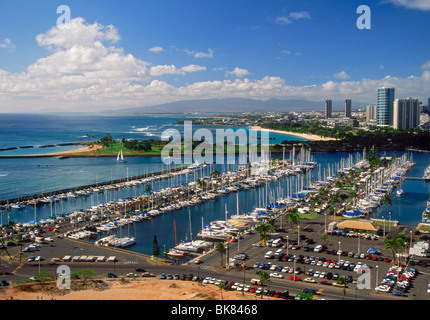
{"x": 24, "y": 176}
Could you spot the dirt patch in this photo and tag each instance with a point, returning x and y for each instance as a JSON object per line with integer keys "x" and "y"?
{"x": 135, "y": 289}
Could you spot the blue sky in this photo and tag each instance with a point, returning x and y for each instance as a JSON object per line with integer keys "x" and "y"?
{"x": 140, "y": 52}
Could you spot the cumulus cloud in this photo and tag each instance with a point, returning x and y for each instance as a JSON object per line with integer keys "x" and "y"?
{"x": 156, "y": 49}
{"x": 7, "y": 44}
{"x": 171, "y": 69}
{"x": 238, "y": 72}
{"x": 423, "y": 5}
{"x": 200, "y": 54}
{"x": 342, "y": 75}
{"x": 94, "y": 74}
{"x": 282, "y": 20}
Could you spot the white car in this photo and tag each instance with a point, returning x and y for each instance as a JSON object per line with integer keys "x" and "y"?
{"x": 235, "y": 286}
{"x": 268, "y": 255}
{"x": 322, "y": 275}
{"x": 331, "y": 265}
{"x": 309, "y": 280}
{"x": 273, "y": 267}
{"x": 318, "y": 248}
{"x": 277, "y": 275}
{"x": 383, "y": 288}
{"x": 319, "y": 263}
{"x": 325, "y": 264}
{"x": 206, "y": 280}
{"x": 317, "y": 274}
{"x": 285, "y": 269}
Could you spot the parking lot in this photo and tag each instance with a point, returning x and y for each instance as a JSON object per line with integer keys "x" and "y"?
{"x": 304, "y": 259}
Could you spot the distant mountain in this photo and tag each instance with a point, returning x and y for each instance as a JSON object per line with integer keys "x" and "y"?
{"x": 233, "y": 105}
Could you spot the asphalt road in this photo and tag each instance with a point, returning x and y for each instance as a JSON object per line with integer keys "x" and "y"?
{"x": 211, "y": 266}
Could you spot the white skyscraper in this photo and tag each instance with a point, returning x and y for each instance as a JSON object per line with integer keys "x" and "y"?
{"x": 406, "y": 113}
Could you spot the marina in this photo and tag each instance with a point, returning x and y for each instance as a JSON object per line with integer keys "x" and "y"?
{"x": 132, "y": 210}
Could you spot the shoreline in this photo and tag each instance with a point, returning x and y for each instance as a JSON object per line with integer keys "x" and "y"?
{"x": 301, "y": 135}
{"x": 56, "y": 154}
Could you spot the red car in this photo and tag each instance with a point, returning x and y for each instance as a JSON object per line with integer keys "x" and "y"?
{"x": 297, "y": 278}
{"x": 253, "y": 289}
{"x": 387, "y": 259}
{"x": 325, "y": 282}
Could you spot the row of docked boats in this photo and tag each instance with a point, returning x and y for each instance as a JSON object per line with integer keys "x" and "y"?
{"x": 426, "y": 175}
{"x": 377, "y": 184}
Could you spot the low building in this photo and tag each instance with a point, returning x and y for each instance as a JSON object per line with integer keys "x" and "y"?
{"x": 360, "y": 226}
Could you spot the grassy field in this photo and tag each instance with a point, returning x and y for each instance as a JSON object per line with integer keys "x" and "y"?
{"x": 113, "y": 150}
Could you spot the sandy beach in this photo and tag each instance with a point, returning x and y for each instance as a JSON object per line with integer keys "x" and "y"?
{"x": 58, "y": 154}
{"x": 132, "y": 289}
{"x": 301, "y": 135}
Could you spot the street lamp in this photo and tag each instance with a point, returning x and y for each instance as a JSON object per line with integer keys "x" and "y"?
{"x": 384, "y": 225}
{"x": 287, "y": 245}
{"x": 389, "y": 224}
{"x": 325, "y": 222}
{"x": 377, "y": 271}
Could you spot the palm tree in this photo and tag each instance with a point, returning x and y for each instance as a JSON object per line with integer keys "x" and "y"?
{"x": 263, "y": 229}
{"x": 401, "y": 242}
{"x": 342, "y": 281}
{"x": 391, "y": 244}
{"x": 271, "y": 225}
{"x": 201, "y": 183}
{"x": 292, "y": 216}
{"x": 387, "y": 201}
{"x": 263, "y": 277}
{"x": 221, "y": 250}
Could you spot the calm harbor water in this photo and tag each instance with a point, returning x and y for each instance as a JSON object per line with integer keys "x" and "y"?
{"x": 20, "y": 177}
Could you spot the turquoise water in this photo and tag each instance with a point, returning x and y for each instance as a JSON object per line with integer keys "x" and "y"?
{"x": 20, "y": 177}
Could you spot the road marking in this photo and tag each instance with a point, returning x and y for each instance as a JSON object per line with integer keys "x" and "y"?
{"x": 22, "y": 263}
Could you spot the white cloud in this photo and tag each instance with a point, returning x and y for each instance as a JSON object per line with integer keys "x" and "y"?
{"x": 426, "y": 65}
{"x": 201, "y": 54}
{"x": 80, "y": 33}
{"x": 7, "y": 44}
{"x": 283, "y": 20}
{"x": 156, "y": 49}
{"x": 342, "y": 75}
{"x": 165, "y": 69}
{"x": 95, "y": 75}
{"x": 238, "y": 72}
{"x": 423, "y": 5}
{"x": 288, "y": 52}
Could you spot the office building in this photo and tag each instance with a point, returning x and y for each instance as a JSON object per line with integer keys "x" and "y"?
{"x": 348, "y": 108}
{"x": 371, "y": 113}
{"x": 328, "y": 109}
{"x": 385, "y": 106}
{"x": 406, "y": 113}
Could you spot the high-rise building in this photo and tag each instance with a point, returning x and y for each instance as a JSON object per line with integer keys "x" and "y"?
{"x": 406, "y": 113}
{"x": 385, "y": 106}
{"x": 371, "y": 113}
{"x": 348, "y": 108}
{"x": 328, "y": 109}
{"x": 428, "y": 102}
